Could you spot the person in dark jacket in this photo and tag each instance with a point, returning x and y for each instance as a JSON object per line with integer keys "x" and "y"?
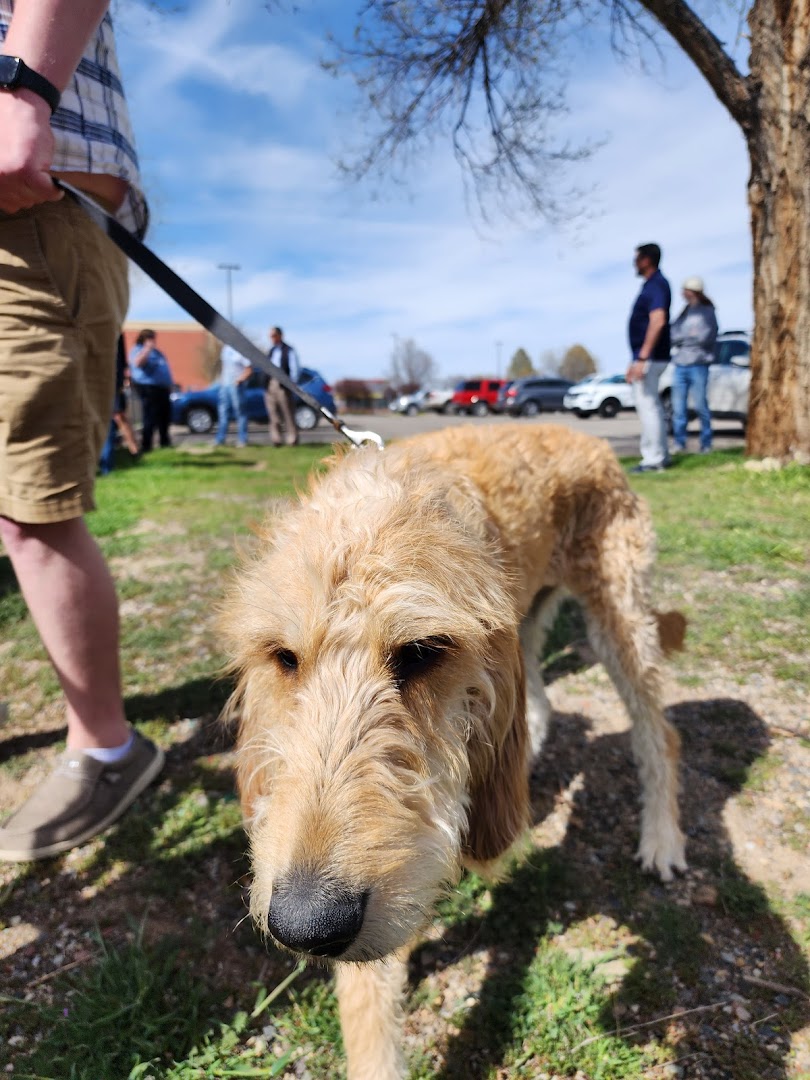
{"x": 279, "y": 400}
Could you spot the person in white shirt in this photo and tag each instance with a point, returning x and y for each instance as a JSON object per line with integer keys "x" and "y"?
{"x": 279, "y": 400}
{"x": 236, "y": 370}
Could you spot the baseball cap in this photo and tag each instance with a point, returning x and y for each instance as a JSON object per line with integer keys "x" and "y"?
{"x": 694, "y": 284}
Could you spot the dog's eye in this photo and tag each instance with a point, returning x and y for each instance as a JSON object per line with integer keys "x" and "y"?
{"x": 417, "y": 657}
{"x": 286, "y": 658}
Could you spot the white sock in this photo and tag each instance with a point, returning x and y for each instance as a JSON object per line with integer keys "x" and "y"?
{"x": 109, "y": 754}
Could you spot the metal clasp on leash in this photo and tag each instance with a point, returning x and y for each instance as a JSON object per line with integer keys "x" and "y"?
{"x": 363, "y": 438}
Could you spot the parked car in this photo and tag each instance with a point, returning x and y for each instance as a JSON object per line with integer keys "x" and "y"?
{"x": 500, "y": 402}
{"x": 729, "y": 379}
{"x": 425, "y": 400}
{"x": 438, "y": 400}
{"x": 476, "y": 396}
{"x": 198, "y": 410}
{"x": 407, "y": 404}
{"x": 603, "y": 394}
{"x": 536, "y": 394}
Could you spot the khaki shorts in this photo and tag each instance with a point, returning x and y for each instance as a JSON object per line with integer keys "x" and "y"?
{"x": 63, "y": 299}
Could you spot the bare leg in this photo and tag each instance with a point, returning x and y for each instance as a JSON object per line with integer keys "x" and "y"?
{"x": 127, "y": 434}
{"x": 71, "y": 596}
{"x": 371, "y": 999}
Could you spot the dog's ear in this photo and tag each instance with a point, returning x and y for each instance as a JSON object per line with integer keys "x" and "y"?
{"x": 499, "y": 790}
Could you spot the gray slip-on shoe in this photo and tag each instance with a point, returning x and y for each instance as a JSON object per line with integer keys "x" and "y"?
{"x": 79, "y": 799}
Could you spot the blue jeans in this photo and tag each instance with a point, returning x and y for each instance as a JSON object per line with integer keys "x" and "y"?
{"x": 691, "y": 380}
{"x": 106, "y": 463}
{"x": 230, "y": 401}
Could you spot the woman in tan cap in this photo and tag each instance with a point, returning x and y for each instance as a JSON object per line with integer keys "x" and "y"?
{"x": 694, "y": 336}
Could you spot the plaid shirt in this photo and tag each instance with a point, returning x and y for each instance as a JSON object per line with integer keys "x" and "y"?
{"x": 91, "y": 126}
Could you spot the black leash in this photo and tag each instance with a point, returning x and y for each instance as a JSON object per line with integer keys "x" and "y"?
{"x": 200, "y": 310}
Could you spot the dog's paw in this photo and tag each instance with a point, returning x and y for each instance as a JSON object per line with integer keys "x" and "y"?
{"x": 663, "y": 856}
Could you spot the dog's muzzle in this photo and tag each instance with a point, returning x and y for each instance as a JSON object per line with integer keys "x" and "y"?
{"x": 311, "y": 916}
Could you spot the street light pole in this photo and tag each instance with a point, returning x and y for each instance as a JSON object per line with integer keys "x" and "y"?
{"x": 498, "y": 346}
{"x": 229, "y": 268}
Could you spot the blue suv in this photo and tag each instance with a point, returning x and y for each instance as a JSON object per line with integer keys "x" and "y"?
{"x": 198, "y": 410}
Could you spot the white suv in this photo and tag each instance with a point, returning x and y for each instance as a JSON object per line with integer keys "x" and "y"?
{"x": 605, "y": 394}
{"x": 729, "y": 379}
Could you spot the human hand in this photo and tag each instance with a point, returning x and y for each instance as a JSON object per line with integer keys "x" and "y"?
{"x": 635, "y": 371}
{"x": 26, "y": 152}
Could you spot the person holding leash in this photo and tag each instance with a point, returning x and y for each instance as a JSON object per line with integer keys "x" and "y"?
{"x": 63, "y": 299}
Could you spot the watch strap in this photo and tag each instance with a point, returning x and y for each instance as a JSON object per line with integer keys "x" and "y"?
{"x": 25, "y": 78}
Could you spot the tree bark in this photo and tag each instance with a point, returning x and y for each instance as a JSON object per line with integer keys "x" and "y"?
{"x": 779, "y": 198}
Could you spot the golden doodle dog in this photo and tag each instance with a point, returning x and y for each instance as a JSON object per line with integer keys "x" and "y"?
{"x": 386, "y": 635}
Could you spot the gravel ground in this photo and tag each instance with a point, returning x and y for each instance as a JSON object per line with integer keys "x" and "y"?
{"x": 726, "y": 981}
{"x": 738, "y": 990}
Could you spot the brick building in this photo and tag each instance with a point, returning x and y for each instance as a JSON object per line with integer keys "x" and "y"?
{"x": 192, "y": 352}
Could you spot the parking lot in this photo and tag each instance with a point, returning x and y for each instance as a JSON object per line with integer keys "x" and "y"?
{"x": 622, "y": 432}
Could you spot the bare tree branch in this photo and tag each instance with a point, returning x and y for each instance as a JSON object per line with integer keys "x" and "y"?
{"x": 490, "y": 74}
{"x": 707, "y": 54}
{"x": 486, "y": 71}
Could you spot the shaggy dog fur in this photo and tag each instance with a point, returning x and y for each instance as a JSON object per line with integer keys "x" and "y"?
{"x": 386, "y": 636}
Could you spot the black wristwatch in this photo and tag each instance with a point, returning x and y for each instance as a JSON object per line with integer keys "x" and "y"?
{"x": 15, "y": 74}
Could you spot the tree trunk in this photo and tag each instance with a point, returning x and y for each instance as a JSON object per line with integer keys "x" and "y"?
{"x": 779, "y": 197}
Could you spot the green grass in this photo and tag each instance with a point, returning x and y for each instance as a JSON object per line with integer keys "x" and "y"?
{"x": 139, "y": 998}
{"x": 736, "y": 541}
{"x": 189, "y": 993}
{"x": 102, "y": 1023}
{"x": 739, "y": 897}
{"x": 561, "y": 1006}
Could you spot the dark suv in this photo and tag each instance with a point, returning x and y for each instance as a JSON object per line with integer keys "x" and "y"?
{"x": 536, "y": 394}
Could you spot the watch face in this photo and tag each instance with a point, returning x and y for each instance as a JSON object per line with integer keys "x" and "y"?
{"x": 9, "y": 71}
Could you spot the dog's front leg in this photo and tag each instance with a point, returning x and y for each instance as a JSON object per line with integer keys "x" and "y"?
{"x": 371, "y": 1009}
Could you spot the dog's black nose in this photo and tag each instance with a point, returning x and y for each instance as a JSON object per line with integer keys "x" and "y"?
{"x": 312, "y": 916}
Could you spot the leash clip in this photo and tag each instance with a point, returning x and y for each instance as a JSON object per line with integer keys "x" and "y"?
{"x": 363, "y": 438}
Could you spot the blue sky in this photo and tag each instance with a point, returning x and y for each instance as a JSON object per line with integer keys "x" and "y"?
{"x": 238, "y": 129}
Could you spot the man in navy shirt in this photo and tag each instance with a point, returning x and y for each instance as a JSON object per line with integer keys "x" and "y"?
{"x": 648, "y": 332}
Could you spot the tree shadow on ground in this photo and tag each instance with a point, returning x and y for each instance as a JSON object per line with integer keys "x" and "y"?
{"x": 178, "y": 859}
{"x": 195, "y": 698}
{"x": 20, "y": 745}
{"x": 213, "y": 460}
{"x": 176, "y": 862}
{"x": 689, "y": 935}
